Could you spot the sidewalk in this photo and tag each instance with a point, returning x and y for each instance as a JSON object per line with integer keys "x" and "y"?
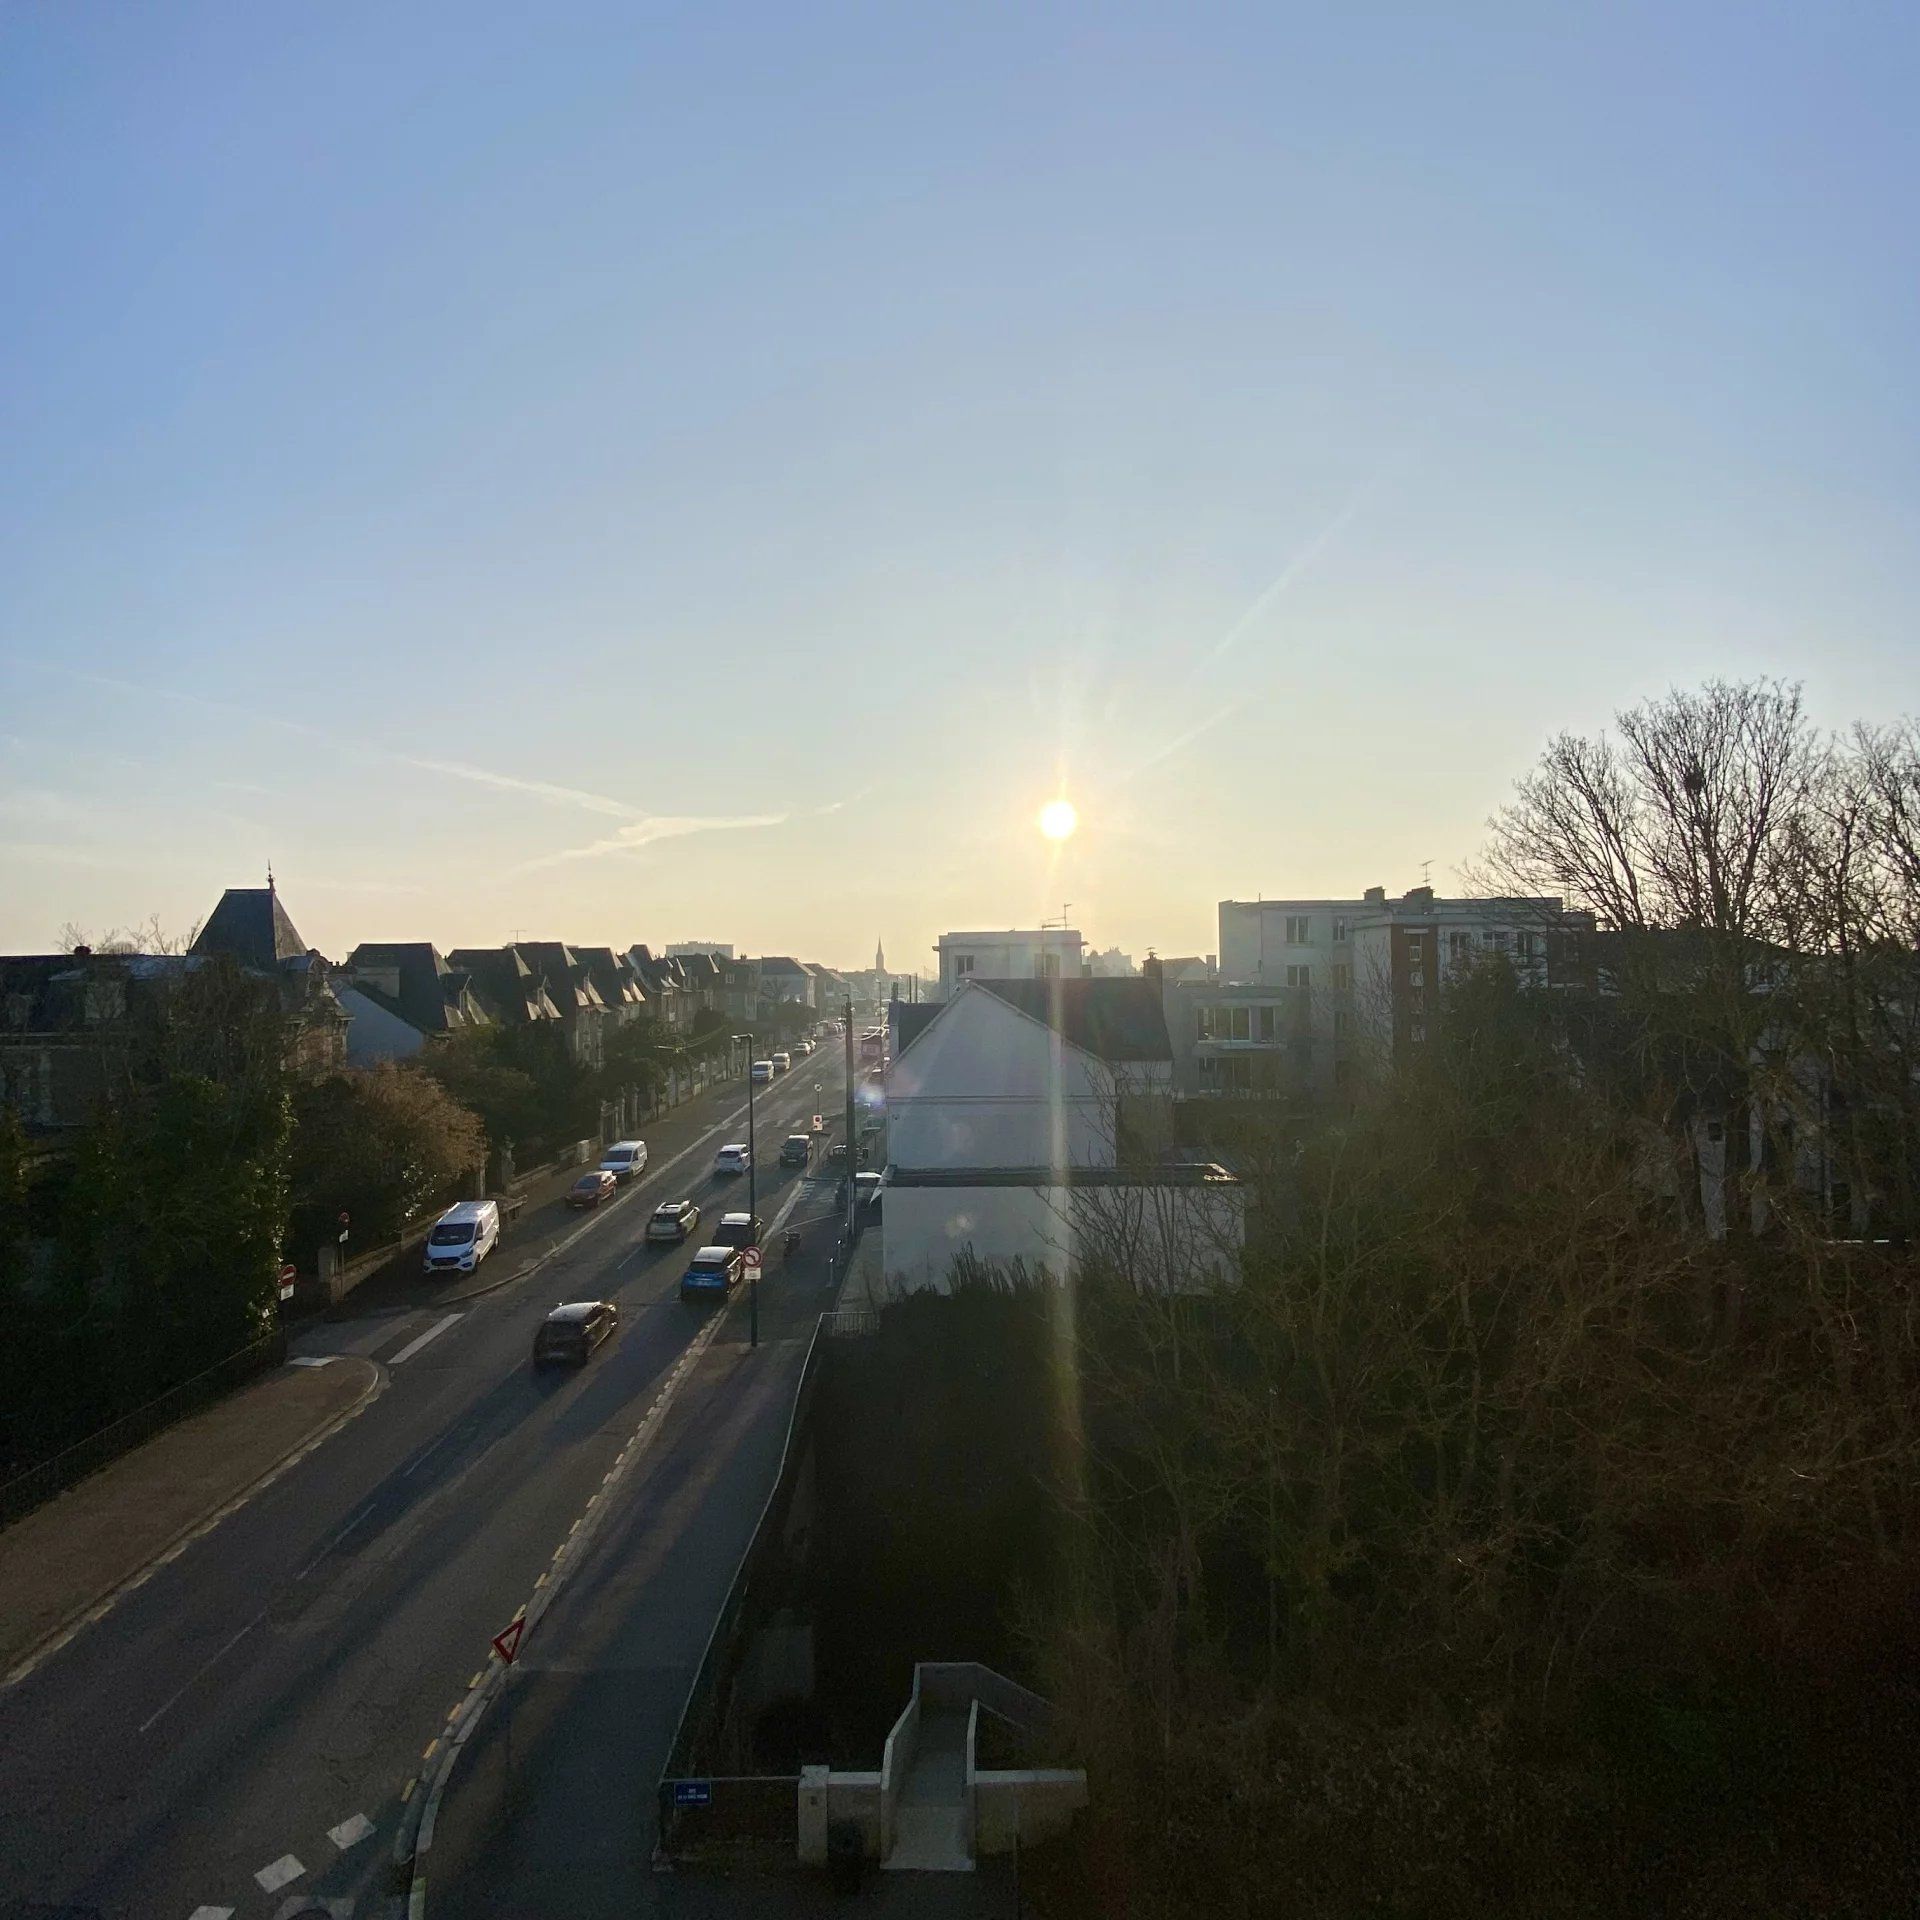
{"x": 68, "y": 1559}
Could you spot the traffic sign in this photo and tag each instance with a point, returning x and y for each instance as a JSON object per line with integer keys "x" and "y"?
{"x": 507, "y": 1645}
{"x": 693, "y": 1793}
{"x": 288, "y": 1275}
{"x": 751, "y": 1259}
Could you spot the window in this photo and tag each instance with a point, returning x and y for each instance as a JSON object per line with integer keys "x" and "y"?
{"x": 1299, "y": 930}
{"x": 1417, "y": 1032}
{"x": 1263, "y": 1025}
{"x": 1046, "y": 966}
{"x": 1342, "y": 1023}
{"x": 1416, "y": 976}
{"x": 1459, "y": 947}
{"x": 1416, "y": 947}
{"x": 962, "y": 963}
{"x": 1298, "y": 976}
{"x": 1499, "y": 938}
{"x": 1339, "y": 930}
{"x": 1343, "y": 976}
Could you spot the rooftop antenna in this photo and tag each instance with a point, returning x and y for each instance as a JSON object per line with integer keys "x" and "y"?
{"x": 1426, "y": 873}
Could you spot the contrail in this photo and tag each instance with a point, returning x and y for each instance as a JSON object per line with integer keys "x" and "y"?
{"x": 1288, "y": 574}
{"x": 644, "y": 831}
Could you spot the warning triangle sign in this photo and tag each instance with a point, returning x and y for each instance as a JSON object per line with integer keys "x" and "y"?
{"x": 507, "y": 1645}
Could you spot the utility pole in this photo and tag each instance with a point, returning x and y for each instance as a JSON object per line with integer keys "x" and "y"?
{"x": 753, "y": 1176}
{"x": 852, "y": 1162}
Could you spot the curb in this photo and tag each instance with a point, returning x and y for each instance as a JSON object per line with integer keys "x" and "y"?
{"x": 108, "y": 1598}
{"x": 414, "y": 1840}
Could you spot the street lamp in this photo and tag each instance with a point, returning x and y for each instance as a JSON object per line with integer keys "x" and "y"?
{"x": 753, "y": 1175}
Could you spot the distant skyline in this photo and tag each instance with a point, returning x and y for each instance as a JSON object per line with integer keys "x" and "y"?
{"x": 632, "y": 473}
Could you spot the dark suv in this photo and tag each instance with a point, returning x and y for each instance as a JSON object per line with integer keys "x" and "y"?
{"x": 737, "y": 1230}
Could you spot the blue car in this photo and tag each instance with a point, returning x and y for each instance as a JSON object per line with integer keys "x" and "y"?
{"x": 713, "y": 1274}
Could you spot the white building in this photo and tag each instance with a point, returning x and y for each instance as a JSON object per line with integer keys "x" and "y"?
{"x": 1021, "y": 1120}
{"x": 1010, "y": 953}
{"x": 1305, "y": 986}
{"x": 679, "y": 949}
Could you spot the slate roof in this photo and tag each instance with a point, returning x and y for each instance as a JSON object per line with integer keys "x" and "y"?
{"x": 429, "y": 992}
{"x": 910, "y": 1019}
{"x": 504, "y": 984}
{"x": 613, "y": 976}
{"x": 251, "y": 926}
{"x": 1112, "y": 1019}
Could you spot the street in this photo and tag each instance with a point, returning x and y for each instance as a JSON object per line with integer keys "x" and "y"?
{"x": 247, "y": 1725}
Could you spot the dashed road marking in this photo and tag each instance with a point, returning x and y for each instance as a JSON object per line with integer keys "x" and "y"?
{"x": 349, "y": 1833}
{"x": 413, "y": 1346}
{"x": 279, "y": 1873}
{"x": 406, "y": 1792}
{"x": 211, "y": 1913}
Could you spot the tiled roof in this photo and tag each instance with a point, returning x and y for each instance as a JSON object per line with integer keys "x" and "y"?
{"x": 1112, "y": 1019}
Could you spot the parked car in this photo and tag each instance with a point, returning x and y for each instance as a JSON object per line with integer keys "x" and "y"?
{"x": 783, "y": 1063}
{"x": 592, "y": 1188}
{"x": 737, "y": 1230}
{"x": 713, "y": 1270}
{"x": 761, "y": 1071}
{"x": 573, "y": 1329}
{"x": 624, "y": 1159}
{"x": 867, "y": 1188}
{"x": 462, "y": 1237}
{"x": 837, "y": 1154}
{"x": 797, "y": 1150}
{"x": 733, "y": 1159}
{"x": 673, "y": 1220}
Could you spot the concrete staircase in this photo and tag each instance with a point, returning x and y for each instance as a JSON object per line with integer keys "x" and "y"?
{"x": 930, "y": 1822}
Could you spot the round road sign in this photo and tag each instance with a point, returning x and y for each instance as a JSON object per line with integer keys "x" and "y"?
{"x": 751, "y": 1259}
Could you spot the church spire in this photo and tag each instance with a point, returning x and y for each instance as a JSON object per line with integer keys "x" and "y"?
{"x": 879, "y": 956}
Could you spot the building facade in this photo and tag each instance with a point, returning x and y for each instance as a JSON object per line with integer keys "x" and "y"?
{"x": 1009, "y": 953}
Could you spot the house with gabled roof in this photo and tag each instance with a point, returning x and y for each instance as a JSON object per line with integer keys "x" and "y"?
{"x": 400, "y": 996}
{"x": 619, "y": 986}
{"x": 1026, "y": 1120}
{"x": 509, "y": 990}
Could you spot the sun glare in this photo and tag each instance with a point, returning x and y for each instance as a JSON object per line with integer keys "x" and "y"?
{"x": 1058, "y": 818}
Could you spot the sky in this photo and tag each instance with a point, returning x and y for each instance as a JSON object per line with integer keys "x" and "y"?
{"x": 621, "y": 473}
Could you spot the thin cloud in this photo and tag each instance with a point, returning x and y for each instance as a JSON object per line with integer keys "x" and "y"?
{"x": 642, "y": 833}
{"x": 449, "y": 769}
{"x": 1180, "y": 742}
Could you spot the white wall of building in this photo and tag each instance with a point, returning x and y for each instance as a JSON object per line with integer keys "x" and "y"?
{"x": 1175, "y": 1237}
{"x": 985, "y": 1086}
{"x": 374, "y": 1034}
{"x": 1008, "y": 953}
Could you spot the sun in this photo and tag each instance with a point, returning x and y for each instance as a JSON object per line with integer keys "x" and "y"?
{"x": 1058, "y": 818}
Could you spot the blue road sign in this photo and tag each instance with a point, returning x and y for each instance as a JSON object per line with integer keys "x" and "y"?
{"x": 693, "y": 1793}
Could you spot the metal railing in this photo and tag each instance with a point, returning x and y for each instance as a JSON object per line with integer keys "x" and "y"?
{"x": 687, "y": 1821}
{"x": 39, "y": 1483}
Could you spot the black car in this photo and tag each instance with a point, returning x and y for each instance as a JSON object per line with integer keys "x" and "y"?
{"x": 737, "y": 1230}
{"x": 573, "y": 1329}
{"x": 796, "y": 1150}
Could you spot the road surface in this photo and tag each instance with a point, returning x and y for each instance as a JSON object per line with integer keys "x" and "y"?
{"x": 240, "y": 1731}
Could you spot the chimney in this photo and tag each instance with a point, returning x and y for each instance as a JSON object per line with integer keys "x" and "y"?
{"x": 1375, "y": 896}
{"x": 1153, "y": 973}
{"x": 1420, "y": 899}
{"x": 82, "y": 952}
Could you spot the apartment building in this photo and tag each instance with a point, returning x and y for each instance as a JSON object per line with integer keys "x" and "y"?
{"x": 1010, "y": 953}
{"x": 1307, "y": 987}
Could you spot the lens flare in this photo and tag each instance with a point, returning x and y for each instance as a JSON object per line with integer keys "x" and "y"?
{"x": 1058, "y": 818}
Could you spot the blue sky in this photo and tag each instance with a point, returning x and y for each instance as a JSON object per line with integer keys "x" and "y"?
{"x": 641, "y": 473}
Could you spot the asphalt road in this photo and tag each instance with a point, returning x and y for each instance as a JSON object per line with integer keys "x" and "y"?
{"x": 241, "y": 1730}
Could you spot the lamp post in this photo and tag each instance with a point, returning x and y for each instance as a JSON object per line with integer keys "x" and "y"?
{"x": 753, "y": 1175}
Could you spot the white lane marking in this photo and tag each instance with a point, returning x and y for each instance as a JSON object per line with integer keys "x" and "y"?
{"x": 275, "y": 1876}
{"x": 365, "y": 1513}
{"x": 211, "y": 1913}
{"x": 413, "y": 1346}
{"x": 200, "y": 1672}
{"x": 349, "y": 1833}
{"x": 421, "y": 1458}
{"x": 312, "y": 1360}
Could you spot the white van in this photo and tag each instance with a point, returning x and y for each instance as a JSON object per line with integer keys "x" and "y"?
{"x": 463, "y": 1236}
{"x": 624, "y": 1159}
{"x": 762, "y": 1072}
